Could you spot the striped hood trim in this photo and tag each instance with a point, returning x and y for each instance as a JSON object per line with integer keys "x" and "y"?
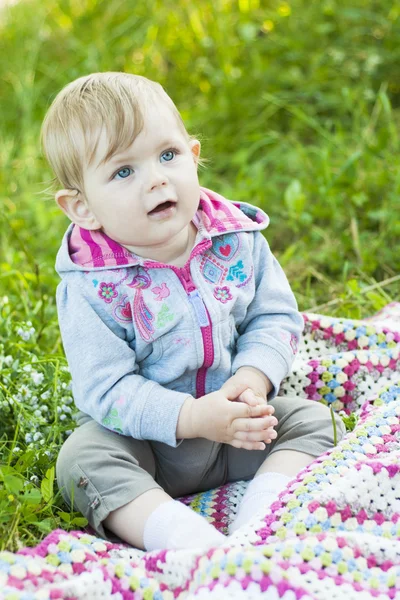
{"x": 215, "y": 216}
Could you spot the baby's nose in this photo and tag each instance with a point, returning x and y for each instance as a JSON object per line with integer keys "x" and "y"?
{"x": 157, "y": 178}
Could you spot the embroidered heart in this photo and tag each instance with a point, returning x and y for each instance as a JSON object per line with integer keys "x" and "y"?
{"x": 225, "y": 250}
{"x": 123, "y": 311}
{"x": 225, "y": 246}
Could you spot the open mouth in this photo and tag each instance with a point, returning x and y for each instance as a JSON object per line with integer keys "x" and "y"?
{"x": 161, "y": 207}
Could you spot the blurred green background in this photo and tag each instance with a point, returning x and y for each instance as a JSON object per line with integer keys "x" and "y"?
{"x": 296, "y": 103}
{"x": 297, "y": 106}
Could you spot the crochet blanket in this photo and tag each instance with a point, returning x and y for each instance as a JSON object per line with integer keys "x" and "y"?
{"x": 334, "y": 532}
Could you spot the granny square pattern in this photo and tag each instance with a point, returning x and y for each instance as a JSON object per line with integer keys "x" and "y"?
{"x": 333, "y": 533}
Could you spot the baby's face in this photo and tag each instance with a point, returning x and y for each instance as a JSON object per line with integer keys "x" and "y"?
{"x": 148, "y": 194}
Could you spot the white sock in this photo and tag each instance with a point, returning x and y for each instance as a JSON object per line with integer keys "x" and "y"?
{"x": 261, "y": 492}
{"x": 173, "y": 525}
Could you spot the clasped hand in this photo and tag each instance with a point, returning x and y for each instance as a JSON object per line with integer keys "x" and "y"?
{"x": 235, "y": 414}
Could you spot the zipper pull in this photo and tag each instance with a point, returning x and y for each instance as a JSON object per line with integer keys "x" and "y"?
{"x": 199, "y": 308}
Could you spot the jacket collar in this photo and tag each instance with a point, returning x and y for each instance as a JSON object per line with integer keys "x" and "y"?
{"x": 215, "y": 216}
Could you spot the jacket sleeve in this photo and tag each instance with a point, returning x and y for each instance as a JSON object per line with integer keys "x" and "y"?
{"x": 270, "y": 332}
{"x": 105, "y": 376}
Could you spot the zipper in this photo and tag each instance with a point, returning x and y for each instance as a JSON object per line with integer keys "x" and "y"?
{"x": 203, "y": 319}
{"x": 200, "y": 310}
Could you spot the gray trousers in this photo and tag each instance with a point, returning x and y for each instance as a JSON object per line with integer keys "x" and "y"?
{"x": 98, "y": 471}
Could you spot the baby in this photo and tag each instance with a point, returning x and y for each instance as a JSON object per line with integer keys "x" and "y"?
{"x": 177, "y": 321}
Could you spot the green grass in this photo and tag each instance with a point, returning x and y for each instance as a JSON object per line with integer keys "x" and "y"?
{"x": 297, "y": 105}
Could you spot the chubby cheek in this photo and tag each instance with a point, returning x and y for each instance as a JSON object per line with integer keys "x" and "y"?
{"x": 190, "y": 190}
{"x": 122, "y": 223}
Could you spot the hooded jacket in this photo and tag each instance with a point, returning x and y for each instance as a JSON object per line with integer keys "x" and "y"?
{"x": 141, "y": 336}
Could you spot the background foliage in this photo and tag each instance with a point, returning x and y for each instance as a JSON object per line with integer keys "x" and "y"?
{"x": 297, "y": 105}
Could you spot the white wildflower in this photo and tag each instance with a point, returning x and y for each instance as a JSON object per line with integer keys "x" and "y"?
{"x": 37, "y": 378}
{"x": 26, "y": 334}
{"x": 24, "y": 392}
{"x": 8, "y": 360}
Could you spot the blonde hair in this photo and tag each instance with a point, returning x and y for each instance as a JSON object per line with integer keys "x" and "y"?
{"x": 73, "y": 124}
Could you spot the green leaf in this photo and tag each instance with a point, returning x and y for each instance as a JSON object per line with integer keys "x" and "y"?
{"x": 47, "y": 484}
{"x": 24, "y": 461}
{"x": 32, "y": 496}
{"x": 353, "y": 286}
{"x": 378, "y": 302}
{"x": 64, "y": 516}
{"x": 13, "y": 483}
{"x": 47, "y": 525}
{"x": 79, "y": 521}
{"x": 350, "y": 421}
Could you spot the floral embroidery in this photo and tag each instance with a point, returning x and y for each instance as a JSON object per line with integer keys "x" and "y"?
{"x": 164, "y": 316}
{"x": 123, "y": 311}
{"x": 161, "y": 292}
{"x": 222, "y": 294}
{"x": 236, "y": 272}
{"x": 107, "y": 292}
{"x": 95, "y": 282}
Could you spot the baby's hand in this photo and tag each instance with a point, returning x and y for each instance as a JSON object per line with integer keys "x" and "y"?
{"x": 250, "y": 398}
{"x": 218, "y": 418}
{"x": 249, "y": 385}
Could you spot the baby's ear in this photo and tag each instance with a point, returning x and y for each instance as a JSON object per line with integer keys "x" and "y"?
{"x": 74, "y": 205}
{"x": 195, "y": 147}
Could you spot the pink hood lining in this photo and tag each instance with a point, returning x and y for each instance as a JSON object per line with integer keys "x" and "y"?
{"x": 215, "y": 216}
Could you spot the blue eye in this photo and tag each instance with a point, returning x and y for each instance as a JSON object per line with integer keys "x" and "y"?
{"x": 168, "y": 155}
{"x": 123, "y": 173}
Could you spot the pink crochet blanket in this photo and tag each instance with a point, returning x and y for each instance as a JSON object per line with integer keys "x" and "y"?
{"x": 334, "y": 533}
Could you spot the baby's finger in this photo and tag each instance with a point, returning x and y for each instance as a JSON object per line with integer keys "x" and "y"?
{"x": 255, "y": 436}
{"x": 262, "y": 409}
{"x": 270, "y": 435}
{"x": 254, "y": 424}
{"x": 245, "y": 411}
{"x": 249, "y": 397}
{"x": 247, "y": 445}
